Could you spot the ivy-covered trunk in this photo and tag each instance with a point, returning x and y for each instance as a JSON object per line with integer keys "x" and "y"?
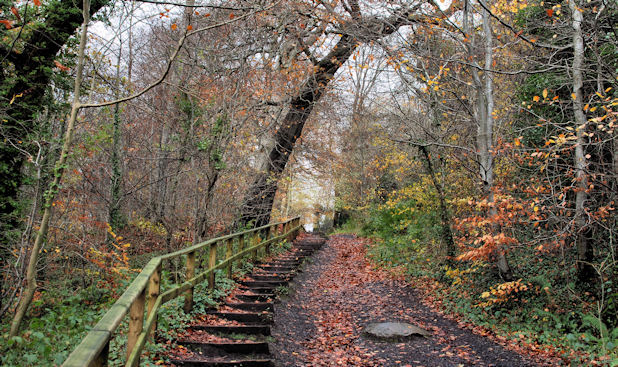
{"x": 22, "y": 93}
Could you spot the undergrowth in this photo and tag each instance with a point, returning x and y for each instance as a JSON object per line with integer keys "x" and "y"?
{"x": 61, "y": 316}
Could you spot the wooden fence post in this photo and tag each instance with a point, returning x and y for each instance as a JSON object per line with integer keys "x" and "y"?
{"x": 254, "y": 241}
{"x": 241, "y": 246}
{"x": 228, "y": 253}
{"x": 212, "y": 261}
{"x": 188, "y": 306}
{"x": 101, "y": 360}
{"x": 269, "y": 235}
{"x": 288, "y": 227}
{"x": 154, "y": 289}
{"x": 296, "y": 224}
{"x": 136, "y": 321}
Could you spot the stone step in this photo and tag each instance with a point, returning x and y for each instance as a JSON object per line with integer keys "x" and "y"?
{"x": 227, "y": 361}
{"x": 246, "y": 317}
{"x": 223, "y": 348}
{"x": 260, "y": 290}
{"x": 285, "y": 270}
{"x": 251, "y": 284}
{"x": 235, "y": 329}
{"x": 271, "y": 277}
{"x": 252, "y": 306}
{"x": 292, "y": 263}
{"x": 255, "y": 297}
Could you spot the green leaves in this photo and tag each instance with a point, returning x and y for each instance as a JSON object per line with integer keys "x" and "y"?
{"x": 61, "y": 321}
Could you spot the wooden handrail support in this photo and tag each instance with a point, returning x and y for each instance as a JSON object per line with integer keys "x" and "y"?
{"x": 144, "y": 293}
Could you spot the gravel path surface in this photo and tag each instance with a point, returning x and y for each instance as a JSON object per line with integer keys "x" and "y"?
{"x": 321, "y": 322}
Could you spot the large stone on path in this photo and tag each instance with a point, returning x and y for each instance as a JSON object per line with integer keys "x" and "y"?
{"x": 394, "y": 330}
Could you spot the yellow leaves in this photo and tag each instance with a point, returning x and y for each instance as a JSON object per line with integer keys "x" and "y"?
{"x": 502, "y": 293}
{"x": 461, "y": 276}
{"x": 545, "y": 94}
{"x": 15, "y": 97}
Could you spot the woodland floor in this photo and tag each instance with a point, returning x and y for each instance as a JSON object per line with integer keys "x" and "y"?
{"x": 320, "y": 322}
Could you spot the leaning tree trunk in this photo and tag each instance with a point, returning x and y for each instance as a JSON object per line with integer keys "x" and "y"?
{"x": 258, "y": 204}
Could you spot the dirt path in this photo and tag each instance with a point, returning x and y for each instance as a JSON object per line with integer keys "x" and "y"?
{"x": 321, "y": 322}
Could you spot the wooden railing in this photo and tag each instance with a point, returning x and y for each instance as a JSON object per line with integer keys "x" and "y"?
{"x": 143, "y": 298}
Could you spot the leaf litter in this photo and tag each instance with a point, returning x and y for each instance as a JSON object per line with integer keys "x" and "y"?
{"x": 340, "y": 292}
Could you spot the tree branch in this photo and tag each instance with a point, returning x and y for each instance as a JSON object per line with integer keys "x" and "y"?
{"x": 171, "y": 60}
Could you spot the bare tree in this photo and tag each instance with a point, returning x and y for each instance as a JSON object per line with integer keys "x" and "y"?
{"x": 354, "y": 29}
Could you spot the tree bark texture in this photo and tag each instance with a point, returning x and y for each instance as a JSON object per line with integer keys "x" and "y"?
{"x": 256, "y": 208}
{"x": 582, "y": 230}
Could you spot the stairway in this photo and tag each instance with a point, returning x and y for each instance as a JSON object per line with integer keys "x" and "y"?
{"x": 237, "y": 334}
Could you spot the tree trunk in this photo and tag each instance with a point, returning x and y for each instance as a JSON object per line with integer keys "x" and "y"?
{"x": 258, "y": 203}
{"x": 114, "y": 218}
{"x": 488, "y": 136}
{"x": 445, "y": 218}
{"x": 31, "y": 274}
{"x": 484, "y": 138}
{"x": 585, "y": 271}
{"x": 33, "y": 70}
{"x": 257, "y": 206}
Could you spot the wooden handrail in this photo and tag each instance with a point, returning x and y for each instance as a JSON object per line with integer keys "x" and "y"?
{"x": 144, "y": 295}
